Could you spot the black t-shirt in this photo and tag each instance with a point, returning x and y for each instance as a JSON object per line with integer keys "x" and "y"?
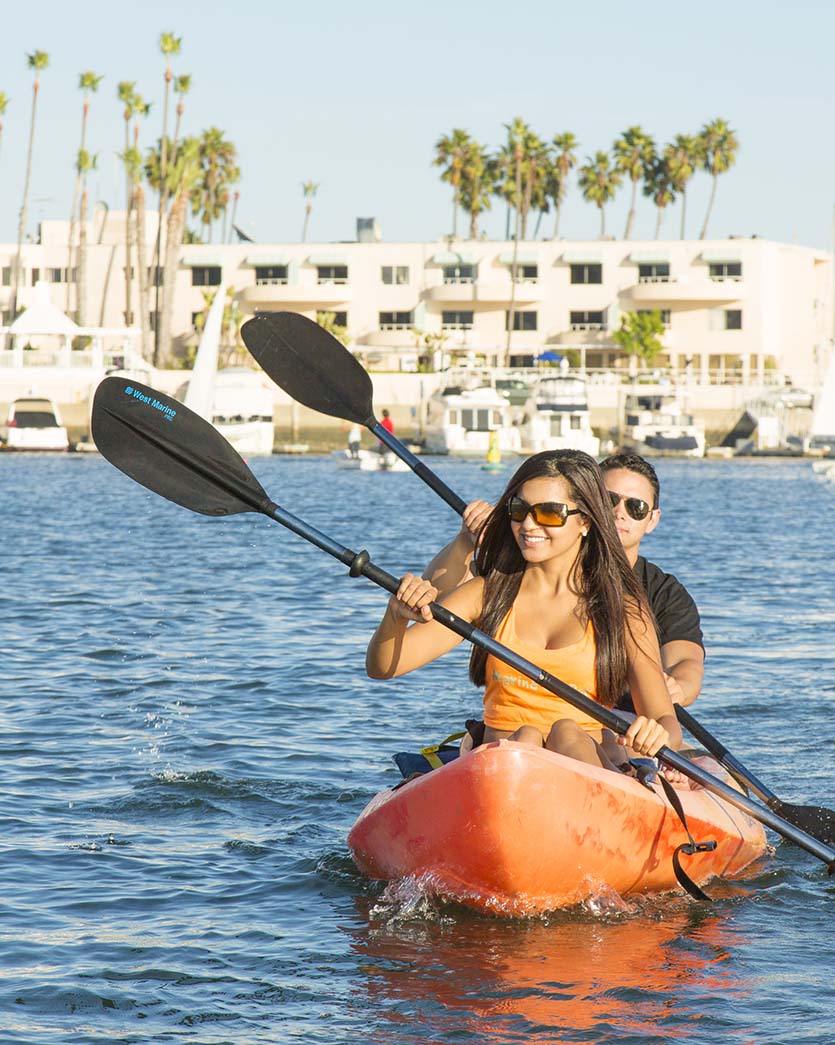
{"x": 674, "y": 609}
{"x": 671, "y": 603}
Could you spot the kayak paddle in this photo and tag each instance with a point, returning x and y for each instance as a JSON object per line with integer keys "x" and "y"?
{"x": 316, "y": 369}
{"x": 174, "y": 452}
{"x": 320, "y": 373}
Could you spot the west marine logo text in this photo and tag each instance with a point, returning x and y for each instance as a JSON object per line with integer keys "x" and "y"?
{"x": 169, "y": 412}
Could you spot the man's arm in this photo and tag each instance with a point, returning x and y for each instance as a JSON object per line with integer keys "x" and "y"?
{"x": 451, "y": 567}
{"x": 684, "y": 668}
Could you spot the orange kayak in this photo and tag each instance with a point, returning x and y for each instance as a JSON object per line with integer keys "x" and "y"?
{"x": 515, "y": 830}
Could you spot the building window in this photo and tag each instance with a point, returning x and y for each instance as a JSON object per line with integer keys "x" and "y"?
{"x": 663, "y": 312}
{"x": 266, "y": 275}
{"x": 456, "y": 320}
{"x": 592, "y": 273}
{"x": 396, "y": 321}
{"x": 153, "y": 321}
{"x": 588, "y": 320}
{"x": 521, "y": 320}
{"x": 723, "y": 270}
{"x": 658, "y": 272}
{"x": 155, "y": 271}
{"x": 61, "y": 275}
{"x": 36, "y": 275}
{"x": 331, "y": 274}
{"x": 7, "y": 275}
{"x": 526, "y": 273}
{"x": 205, "y": 276}
{"x": 733, "y": 319}
{"x": 6, "y": 317}
{"x": 340, "y": 319}
{"x": 195, "y": 316}
{"x": 459, "y": 273}
{"x": 395, "y": 275}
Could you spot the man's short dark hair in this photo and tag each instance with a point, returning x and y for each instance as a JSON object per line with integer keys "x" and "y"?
{"x": 637, "y": 464}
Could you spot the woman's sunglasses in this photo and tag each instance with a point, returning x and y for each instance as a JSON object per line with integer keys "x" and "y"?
{"x": 549, "y": 513}
{"x": 635, "y": 507}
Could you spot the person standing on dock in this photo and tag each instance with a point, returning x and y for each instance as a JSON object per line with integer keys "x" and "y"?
{"x": 354, "y": 438}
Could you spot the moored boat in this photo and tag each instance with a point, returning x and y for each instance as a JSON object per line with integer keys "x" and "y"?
{"x": 33, "y": 423}
{"x": 370, "y": 460}
{"x": 557, "y": 417}
{"x": 516, "y": 831}
{"x": 460, "y": 420}
{"x": 656, "y": 425}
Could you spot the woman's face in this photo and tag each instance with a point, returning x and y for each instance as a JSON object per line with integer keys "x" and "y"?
{"x": 539, "y": 542}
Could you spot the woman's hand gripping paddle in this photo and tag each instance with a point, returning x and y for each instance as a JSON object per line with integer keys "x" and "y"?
{"x": 319, "y": 372}
{"x": 173, "y": 452}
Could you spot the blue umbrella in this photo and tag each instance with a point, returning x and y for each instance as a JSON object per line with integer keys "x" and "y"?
{"x": 549, "y": 357}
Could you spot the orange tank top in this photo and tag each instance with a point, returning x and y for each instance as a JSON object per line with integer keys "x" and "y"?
{"x": 512, "y": 700}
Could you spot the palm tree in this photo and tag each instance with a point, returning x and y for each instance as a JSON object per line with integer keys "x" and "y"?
{"x": 169, "y": 45}
{"x": 476, "y": 185}
{"x": 126, "y": 93}
{"x": 599, "y": 181}
{"x": 37, "y": 61}
{"x": 183, "y": 176}
{"x": 309, "y": 189}
{"x": 218, "y": 166}
{"x": 564, "y": 158}
{"x": 136, "y": 206}
{"x": 535, "y": 168}
{"x": 658, "y": 185}
{"x": 451, "y": 154}
{"x": 88, "y": 83}
{"x": 517, "y": 131}
{"x": 682, "y": 157}
{"x": 719, "y": 145}
{"x": 4, "y": 101}
{"x": 182, "y": 85}
{"x": 634, "y": 154}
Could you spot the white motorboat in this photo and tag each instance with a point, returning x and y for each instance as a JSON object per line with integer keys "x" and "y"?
{"x": 460, "y": 420}
{"x": 33, "y": 423}
{"x": 822, "y": 429}
{"x": 557, "y": 417}
{"x": 238, "y": 401}
{"x": 654, "y": 424}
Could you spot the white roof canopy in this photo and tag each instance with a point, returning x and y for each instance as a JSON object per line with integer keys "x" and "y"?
{"x": 42, "y": 317}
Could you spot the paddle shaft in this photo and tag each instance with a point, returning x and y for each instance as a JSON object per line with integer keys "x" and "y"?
{"x": 418, "y": 467}
{"x": 719, "y": 751}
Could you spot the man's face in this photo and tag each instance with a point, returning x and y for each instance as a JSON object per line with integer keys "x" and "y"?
{"x": 627, "y": 485}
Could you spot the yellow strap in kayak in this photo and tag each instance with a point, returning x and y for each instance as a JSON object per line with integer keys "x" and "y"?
{"x": 430, "y": 753}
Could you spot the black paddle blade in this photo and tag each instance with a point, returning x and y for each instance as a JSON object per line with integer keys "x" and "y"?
{"x": 817, "y": 821}
{"x": 310, "y": 365}
{"x": 171, "y": 450}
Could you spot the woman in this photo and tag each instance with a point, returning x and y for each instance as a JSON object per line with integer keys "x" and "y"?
{"x": 553, "y": 585}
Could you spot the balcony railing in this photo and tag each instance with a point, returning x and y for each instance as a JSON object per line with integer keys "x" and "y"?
{"x": 656, "y": 279}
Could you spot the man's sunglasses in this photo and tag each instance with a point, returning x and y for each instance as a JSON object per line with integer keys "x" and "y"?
{"x": 549, "y": 513}
{"x": 635, "y": 507}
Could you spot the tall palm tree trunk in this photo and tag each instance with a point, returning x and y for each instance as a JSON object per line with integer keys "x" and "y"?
{"x": 602, "y": 221}
{"x": 659, "y": 218}
{"x": 173, "y": 239}
{"x": 703, "y": 233}
{"x": 511, "y": 314}
{"x": 21, "y": 226}
{"x": 683, "y": 211}
{"x": 81, "y": 272}
{"x": 142, "y": 268}
{"x": 630, "y": 218}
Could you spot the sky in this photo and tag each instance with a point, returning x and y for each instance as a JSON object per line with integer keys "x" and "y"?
{"x": 354, "y": 97}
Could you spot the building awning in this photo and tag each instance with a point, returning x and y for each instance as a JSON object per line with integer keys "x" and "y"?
{"x": 327, "y": 259}
{"x": 203, "y": 261}
{"x": 582, "y": 257}
{"x": 42, "y": 317}
{"x": 260, "y": 260}
{"x": 649, "y": 257}
{"x": 524, "y": 257}
{"x": 722, "y": 257}
{"x": 451, "y": 257}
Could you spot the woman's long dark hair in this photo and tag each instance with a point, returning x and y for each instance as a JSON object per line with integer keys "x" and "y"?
{"x": 602, "y": 575}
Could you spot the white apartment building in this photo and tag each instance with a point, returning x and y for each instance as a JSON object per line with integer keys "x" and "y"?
{"x": 736, "y": 311}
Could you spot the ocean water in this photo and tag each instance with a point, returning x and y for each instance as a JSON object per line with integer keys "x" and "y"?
{"x": 188, "y": 735}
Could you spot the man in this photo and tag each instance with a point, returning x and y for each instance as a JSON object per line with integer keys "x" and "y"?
{"x": 633, "y": 482}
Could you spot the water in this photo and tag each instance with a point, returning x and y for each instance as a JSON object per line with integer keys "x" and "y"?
{"x": 188, "y": 736}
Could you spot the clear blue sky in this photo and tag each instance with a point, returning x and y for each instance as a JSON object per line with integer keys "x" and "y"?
{"x": 354, "y": 96}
